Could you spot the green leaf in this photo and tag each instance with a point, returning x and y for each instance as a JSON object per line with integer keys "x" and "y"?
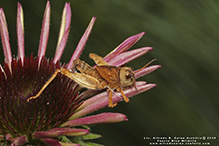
{"x": 86, "y": 127}
{"x": 79, "y": 139}
{"x": 91, "y": 136}
{"x": 3, "y": 143}
{"x": 93, "y": 144}
{"x": 65, "y": 139}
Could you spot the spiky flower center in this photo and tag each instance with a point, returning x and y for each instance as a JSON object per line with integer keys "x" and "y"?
{"x": 53, "y": 107}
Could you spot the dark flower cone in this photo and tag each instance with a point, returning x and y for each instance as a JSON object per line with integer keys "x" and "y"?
{"x": 52, "y": 108}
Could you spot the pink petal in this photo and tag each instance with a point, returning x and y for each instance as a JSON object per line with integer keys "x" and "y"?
{"x": 100, "y": 96}
{"x": 101, "y": 100}
{"x": 124, "y": 46}
{"x": 50, "y": 142}
{"x": 97, "y": 119}
{"x": 20, "y": 140}
{"x": 8, "y": 137}
{"x": 5, "y": 38}
{"x": 58, "y": 132}
{"x": 44, "y": 32}
{"x": 88, "y": 93}
{"x": 64, "y": 32}
{"x": 81, "y": 43}
{"x": 20, "y": 32}
{"x": 126, "y": 57}
{"x": 146, "y": 70}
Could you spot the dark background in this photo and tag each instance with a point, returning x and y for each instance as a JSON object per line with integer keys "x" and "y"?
{"x": 184, "y": 35}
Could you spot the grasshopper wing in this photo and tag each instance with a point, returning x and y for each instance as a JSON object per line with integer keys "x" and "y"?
{"x": 97, "y": 59}
{"x": 110, "y": 75}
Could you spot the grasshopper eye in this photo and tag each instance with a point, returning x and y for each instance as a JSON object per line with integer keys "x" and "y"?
{"x": 128, "y": 76}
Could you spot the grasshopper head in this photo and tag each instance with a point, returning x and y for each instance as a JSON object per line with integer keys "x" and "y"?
{"x": 127, "y": 77}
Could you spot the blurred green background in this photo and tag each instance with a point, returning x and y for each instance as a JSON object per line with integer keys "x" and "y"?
{"x": 184, "y": 35}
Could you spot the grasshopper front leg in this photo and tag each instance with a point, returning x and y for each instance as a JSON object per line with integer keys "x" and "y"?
{"x": 110, "y": 102}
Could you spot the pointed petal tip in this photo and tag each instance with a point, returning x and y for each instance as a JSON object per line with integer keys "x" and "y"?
{"x": 20, "y": 31}
{"x": 155, "y": 66}
{"x": 67, "y": 5}
{"x": 149, "y": 86}
{"x": 19, "y": 5}
{"x": 5, "y": 38}
{"x": 63, "y": 32}
{"x": 124, "y": 46}
{"x": 151, "y": 48}
{"x": 44, "y": 32}
{"x": 147, "y": 49}
{"x": 142, "y": 33}
{"x": 94, "y": 17}
{"x": 159, "y": 66}
{"x": 154, "y": 85}
{"x": 82, "y": 43}
{"x": 48, "y": 3}
{"x": 67, "y": 8}
{"x": 139, "y": 36}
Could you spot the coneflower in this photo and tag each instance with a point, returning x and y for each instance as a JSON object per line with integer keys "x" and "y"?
{"x": 60, "y": 111}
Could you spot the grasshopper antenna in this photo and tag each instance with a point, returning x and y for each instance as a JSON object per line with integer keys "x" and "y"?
{"x": 146, "y": 65}
{"x": 143, "y": 68}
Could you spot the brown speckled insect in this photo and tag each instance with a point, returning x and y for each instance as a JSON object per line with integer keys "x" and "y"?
{"x": 103, "y": 76}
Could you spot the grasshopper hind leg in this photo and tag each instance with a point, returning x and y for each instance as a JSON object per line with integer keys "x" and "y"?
{"x": 45, "y": 85}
